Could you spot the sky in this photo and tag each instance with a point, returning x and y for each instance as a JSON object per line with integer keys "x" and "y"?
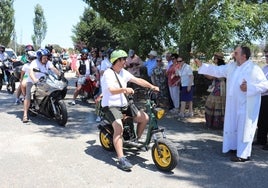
{"x": 61, "y": 16}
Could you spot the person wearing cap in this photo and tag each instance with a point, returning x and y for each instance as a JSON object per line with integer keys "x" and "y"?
{"x": 114, "y": 88}
{"x": 215, "y": 103}
{"x": 245, "y": 81}
{"x": 151, "y": 63}
{"x": 133, "y": 63}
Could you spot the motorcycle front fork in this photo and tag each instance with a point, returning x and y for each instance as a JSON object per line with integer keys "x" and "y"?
{"x": 53, "y": 106}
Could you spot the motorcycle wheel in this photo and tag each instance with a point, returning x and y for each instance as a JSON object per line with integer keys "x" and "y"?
{"x": 62, "y": 115}
{"x": 165, "y": 155}
{"x": 106, "y": 141}
{"x": 11, "y": 86}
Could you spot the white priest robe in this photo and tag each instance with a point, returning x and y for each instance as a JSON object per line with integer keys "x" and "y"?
{"x": 242, "y": 108}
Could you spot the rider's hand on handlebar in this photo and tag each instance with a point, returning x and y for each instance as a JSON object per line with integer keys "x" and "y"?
{"x": 129, "y": 90}
{"x": 155, "y": 88}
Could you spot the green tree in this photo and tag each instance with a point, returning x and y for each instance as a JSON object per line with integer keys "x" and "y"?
{"x": 212, "y": 25}
{"x": 94, "y": 31}
{"x": 192, "y": 26}
{"x": 40, "y": 26}
{"x": 142, "y": 24}
{"x": 7, "y": 22}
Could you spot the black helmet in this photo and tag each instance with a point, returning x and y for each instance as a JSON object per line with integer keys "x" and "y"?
{"x": 2, "y": 48}
{"x": 49, "y": 47}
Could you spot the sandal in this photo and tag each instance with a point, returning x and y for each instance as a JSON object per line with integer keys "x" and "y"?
{"x": 238, "y": 159}
{"x": 25, "y": 119}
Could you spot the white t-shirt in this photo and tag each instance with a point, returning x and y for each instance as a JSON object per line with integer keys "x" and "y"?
{"x": 185, "y": 72}
{"x": 104, "y": 65}
{"x": 109, "y": 81}
{"x": 42, "y": 67}
{"x": 26, "y": 69}
{"x": 3, "y": 56}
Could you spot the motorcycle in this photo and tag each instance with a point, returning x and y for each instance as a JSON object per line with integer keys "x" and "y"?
{"x": 88, "y": 89}
{"x": 164, "y": 153}
{"x": 2, "y": 76}
{"x": 47, "y": 97}
{"x": 15, "y": 71}
{"x": 4, "y": 66}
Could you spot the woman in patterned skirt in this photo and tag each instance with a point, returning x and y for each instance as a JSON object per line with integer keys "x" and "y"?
{"x": 215, "y": 103}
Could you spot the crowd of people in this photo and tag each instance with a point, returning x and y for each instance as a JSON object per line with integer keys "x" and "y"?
{"x": 236, "y": 103}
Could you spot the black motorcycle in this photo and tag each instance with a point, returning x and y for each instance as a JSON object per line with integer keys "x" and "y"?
{"x": 5, "y": 66}
{"x": 47, "y": 97}
{"x": 14, "y": 76}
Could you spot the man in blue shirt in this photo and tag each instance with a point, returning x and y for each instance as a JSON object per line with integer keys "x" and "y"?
{"x": 151, "y": 63}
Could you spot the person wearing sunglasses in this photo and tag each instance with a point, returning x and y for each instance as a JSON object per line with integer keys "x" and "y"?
{"x": 187, "y": 87}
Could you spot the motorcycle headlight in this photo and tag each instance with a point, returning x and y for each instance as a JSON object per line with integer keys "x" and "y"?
{"x": 159, "y": 113}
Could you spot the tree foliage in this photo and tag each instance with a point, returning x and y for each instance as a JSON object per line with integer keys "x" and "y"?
{"x": 7, "y": 21}
{"x": 40, "y": 26}
{"x": 211, "y": 25}
{"x": 140, "y": 23}
{"x": 197, "y": 26}
{"x": 94, "y": 31}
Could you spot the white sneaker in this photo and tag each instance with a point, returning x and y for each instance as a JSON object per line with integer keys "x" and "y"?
{"x": 190, "y": 114}
{"x": 98, "y": 119}
{"x": 180, "y": 116}
{"x": 73, "y": 103}
{"x": 174, "y": 110}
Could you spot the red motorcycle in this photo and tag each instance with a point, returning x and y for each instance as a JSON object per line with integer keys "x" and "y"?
{"x": 89, "y": 88}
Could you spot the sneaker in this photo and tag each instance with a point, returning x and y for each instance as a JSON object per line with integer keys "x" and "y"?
{"x": 180, "y": 116}
{"x": 124, "y": 164}
{"x": 174, "y": 110}
{"x": 17, "y": 101}
{"x": 190, "y": 114}
{"x": 98, "y": 119}
{"x": 73, "y": 103}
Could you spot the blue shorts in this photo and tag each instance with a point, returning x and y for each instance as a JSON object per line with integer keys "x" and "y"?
{"x": 185, "y": 95}
{"x": 81, "y": 80}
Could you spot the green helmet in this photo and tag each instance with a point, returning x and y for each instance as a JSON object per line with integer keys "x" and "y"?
{"x": 116, "y": 54}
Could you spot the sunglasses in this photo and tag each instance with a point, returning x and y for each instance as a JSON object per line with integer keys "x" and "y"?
{"x": 180, "y": 61}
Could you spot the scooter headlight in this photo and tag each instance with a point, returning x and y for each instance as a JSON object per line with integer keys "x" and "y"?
{"x": 159, "y": 113}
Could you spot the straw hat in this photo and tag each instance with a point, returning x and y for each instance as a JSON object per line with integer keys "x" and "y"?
{"x": 219, "y": 55}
